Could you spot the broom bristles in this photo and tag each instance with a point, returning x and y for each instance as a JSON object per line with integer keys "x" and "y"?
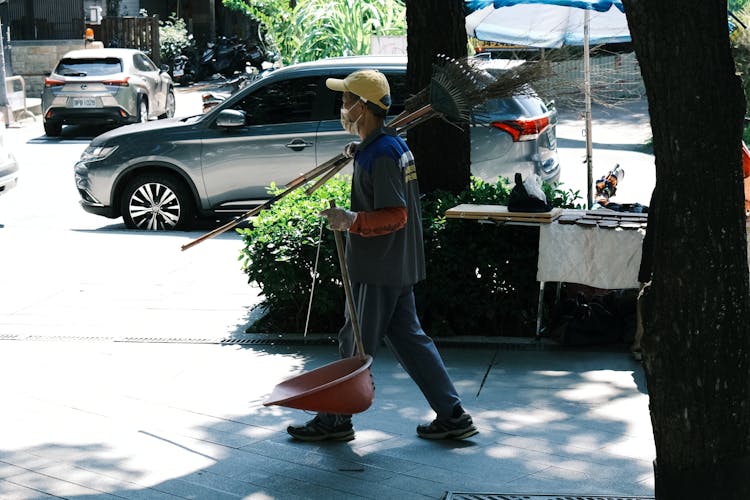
{"x": 457, "y": 86}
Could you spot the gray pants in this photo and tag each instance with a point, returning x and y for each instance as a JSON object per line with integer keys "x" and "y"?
{"x": 389, "y": 313}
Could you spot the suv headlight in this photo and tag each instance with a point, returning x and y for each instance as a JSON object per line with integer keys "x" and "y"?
{"x": 95, "y": 153}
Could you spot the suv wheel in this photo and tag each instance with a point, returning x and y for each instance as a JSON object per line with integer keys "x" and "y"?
{"x": 156, "y": 202}
{"x": 52, "y": 129}
{"x": 142, "y": 109}
{"x": 170, "y": 106}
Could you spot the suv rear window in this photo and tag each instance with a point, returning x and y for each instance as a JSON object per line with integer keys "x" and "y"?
{"x": 89, "y": 67}
{"x": 517, "y": 105}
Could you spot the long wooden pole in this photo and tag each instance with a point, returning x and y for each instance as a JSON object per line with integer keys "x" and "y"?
{"x": 348, "y": 290}
{"x": 299, "y": 181}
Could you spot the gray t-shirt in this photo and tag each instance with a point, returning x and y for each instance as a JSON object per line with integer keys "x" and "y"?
{"x": 385, "y": 176}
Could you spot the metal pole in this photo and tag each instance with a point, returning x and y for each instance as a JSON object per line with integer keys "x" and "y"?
{"x": 587, "y": 97}
{"x": 353, "y": 316}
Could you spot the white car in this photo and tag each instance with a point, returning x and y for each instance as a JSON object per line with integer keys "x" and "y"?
{"x": 8, "y": 165}
{"x": 106, "y": 86}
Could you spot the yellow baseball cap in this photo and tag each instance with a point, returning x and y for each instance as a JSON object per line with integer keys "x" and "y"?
{"x": 369, "y": 85}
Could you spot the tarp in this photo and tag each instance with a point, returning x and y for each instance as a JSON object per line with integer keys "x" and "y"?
{"x": 546, "y": 25}
{"x": 552, "y": 24}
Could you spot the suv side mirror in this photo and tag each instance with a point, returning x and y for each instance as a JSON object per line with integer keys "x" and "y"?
{"x": 230, "y": 118}
{"x": 164, "y": 68}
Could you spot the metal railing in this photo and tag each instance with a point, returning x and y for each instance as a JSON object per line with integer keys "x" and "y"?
{"x": 15, "y": 88}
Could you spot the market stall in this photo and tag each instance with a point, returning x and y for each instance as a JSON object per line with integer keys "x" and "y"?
{"x": 598, "y": 248}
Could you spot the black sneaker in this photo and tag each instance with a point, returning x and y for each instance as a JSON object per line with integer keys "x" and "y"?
{"x": 452, "y": 428}
{"x": 319, "y": 429}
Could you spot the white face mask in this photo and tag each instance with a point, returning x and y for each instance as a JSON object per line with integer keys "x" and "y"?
{"x": 351, "y": 126}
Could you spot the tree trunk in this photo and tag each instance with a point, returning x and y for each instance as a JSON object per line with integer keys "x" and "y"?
{"x": 441, "y": 150}
{"x": 696, "y": 309}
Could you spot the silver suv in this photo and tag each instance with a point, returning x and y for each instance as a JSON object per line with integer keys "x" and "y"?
{"x": 161, "y": 175}
{"x": 107, "y": 86}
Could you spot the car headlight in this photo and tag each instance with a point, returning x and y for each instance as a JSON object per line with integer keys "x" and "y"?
{"x": 94, "y": 153}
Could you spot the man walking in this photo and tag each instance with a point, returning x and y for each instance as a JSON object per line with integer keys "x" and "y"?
{"x": 385, "y": 257}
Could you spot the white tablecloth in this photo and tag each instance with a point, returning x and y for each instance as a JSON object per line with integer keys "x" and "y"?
{"x": 593, "y": 256}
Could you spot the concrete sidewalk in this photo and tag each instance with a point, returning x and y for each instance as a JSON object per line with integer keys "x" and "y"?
{"x": 127, "y": 374}
{"x": 113, "y": 419}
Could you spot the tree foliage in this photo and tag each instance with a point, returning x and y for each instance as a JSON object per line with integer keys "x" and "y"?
{"x": 737, "y": 5}
{"x": 314, "y": 29}
{"x": 173, "y": 37}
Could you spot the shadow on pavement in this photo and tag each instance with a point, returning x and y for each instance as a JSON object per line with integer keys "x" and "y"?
{"x": 560, "y": 422}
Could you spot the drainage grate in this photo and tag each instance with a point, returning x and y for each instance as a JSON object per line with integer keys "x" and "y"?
{"x": 65, "y": 338}
{"x": 513, "y": 496}
{"x": 505, "y": 344}
{"x": 270, "y": 340}
{"x": 166, "y": 340}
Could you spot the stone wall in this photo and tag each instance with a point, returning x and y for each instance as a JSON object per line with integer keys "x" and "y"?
{"x": 31, "y": 59}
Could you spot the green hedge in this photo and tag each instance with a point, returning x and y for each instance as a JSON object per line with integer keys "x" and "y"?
{"x": 481, "y": 278}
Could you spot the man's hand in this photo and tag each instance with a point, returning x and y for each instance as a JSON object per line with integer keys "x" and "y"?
{"x": 350, "y": 149}
{"x": 339, "y": 219}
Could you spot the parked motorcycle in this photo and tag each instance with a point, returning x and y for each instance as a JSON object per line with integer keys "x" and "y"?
{"x": 184, "y": 67}
{"x": 227, "y": 57}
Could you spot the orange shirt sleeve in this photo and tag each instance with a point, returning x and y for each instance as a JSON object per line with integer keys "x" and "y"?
{"x": 379, "y": 222}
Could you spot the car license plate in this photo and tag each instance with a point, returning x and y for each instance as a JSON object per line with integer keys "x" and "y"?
{"x": 83, "y": 102}
{"x": 178, "y": 72}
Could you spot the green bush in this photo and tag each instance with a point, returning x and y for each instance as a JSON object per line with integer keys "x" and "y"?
{"x": 279, "y": 256}
{"x": 481, "y": 278}
{"x": 173, "y": 38}
{"x": 307, "y": 30}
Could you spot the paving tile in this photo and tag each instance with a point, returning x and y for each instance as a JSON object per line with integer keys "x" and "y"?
{"x": 292, "y": 488}
{"x": 433, "y": 483}
{"x": 468, "y": 458}
{"x": 12, "y": 491}
{"x": 190, "y": 421}
{"x": 564, "y": 482}
{"x": 8, "y": 470}
{"x": 335, "y": 457}
{"x": 145, "y": 494}
{"x": 192, "y": 490}
{"x": 568, "y": 448}
{"x": 54, "y": 486}
{"x": 632, "y": 447}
